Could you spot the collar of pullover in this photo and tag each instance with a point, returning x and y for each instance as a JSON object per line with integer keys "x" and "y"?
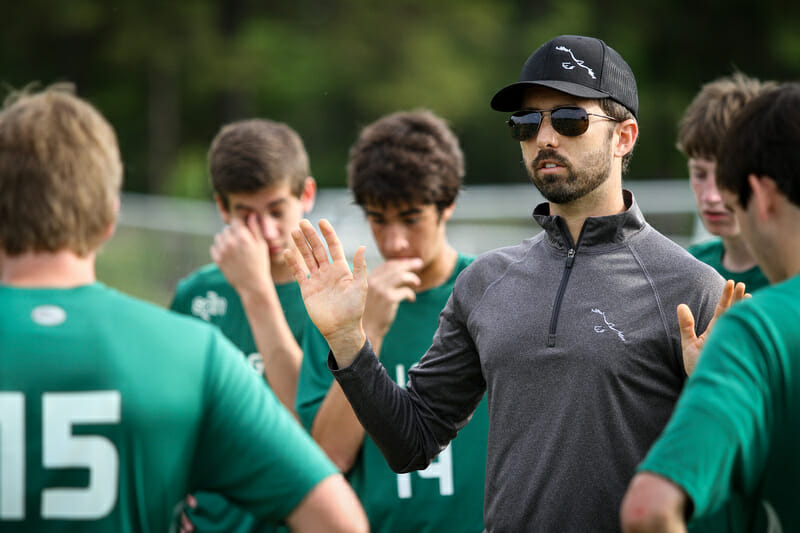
{"x": 597, "y": 231}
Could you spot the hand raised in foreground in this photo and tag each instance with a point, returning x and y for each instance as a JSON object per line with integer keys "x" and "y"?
{"x": 691, "y": 343}
{"x": 333, "y": 295}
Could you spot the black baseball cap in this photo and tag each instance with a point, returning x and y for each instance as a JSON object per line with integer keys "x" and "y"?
{"x": 580, "y": 66}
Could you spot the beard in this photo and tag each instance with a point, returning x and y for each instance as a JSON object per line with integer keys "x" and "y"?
{"x": 559, "y": 189}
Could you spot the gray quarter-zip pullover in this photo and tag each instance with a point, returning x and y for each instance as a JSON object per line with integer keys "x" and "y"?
{"x": 577, "y": 346}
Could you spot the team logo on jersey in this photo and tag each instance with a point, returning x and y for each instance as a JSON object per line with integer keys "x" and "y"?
{"x": 256, "y": 361}
{"x": 211, "y": 305}
{"x": 48, "y": 315}
{"x": 607, "y": 326}
{"x": 569, "y": 65}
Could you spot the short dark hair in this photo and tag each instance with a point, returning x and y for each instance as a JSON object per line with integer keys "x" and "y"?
{"x": 617, "y": 111}
{"x": 406, "y": 157}
{"x": 708, "y": 117}
{"x": 764, "y": 139}
{"x": 249, "y": 155}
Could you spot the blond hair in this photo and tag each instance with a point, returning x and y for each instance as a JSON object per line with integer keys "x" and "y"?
{"x": 60, "y": 173}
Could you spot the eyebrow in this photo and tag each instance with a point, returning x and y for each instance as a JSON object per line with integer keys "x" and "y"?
{"x": 245, "y": 207}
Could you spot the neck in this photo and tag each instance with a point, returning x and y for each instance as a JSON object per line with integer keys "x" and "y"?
{"x": 439, "y": 270}
{"x": 62, "y": 269}
{"x": 605, "y": 200}
{"x": 737, "y": 256}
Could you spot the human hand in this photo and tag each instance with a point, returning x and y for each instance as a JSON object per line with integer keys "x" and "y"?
{"x": 242, "y": 254}
{"x": 186, "y": 524}
{"x": 389, "y": 284}
{"x": 333, "y": 295}
{"x": 691, "y": 343}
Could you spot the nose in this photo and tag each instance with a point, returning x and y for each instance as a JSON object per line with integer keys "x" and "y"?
{"x": 269, "y": 227}
{"x": 711, "y": 193}
{"x": 546, "y": 136}
{"x": 394, "y": 240}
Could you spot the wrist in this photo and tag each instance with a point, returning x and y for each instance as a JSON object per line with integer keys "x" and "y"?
{"x": 346, "y": 343}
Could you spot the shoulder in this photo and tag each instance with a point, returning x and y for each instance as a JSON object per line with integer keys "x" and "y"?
{"x": 494, "y": 261}
{"x": 661, "y": 254}
{"x": 207, "y": 276}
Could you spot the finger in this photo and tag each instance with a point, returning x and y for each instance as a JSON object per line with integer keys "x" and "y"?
{"x": 186, "y": 524}
{"x": 410, "y": 279}
{"x": 191, "y": 501}
{"x": 293, "y": 260}
{"x": 406, "y": 293}
{"x": 686, "y": 324}
{"x": 319, "y": 254}
{"x": 360, "y": 265}
{"x": 334, "y": 245}
{"x": 739, "y": 291}
{"x": 725, "y": 300}
{"x": 254, "y": 225}
{"x": 215, "y": 254}
{"x": 303, "y": 246}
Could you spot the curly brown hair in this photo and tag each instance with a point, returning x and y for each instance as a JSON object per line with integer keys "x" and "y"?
{"x": 408, "y": 157}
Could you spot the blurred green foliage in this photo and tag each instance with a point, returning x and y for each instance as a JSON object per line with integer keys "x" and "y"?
{"x": 169, "y": 74}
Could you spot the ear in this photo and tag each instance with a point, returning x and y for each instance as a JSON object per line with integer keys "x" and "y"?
{"x": 308, "y": 195}
{"x": 224, "y": 214}
{"x": 113, "y": 226}
{"x": 765, "y": 197}
{"x": 627, "y": 132}
{"x": 447, "y": 212}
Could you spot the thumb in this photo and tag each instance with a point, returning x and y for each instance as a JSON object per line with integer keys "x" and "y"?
{"x": 686, "y": 324}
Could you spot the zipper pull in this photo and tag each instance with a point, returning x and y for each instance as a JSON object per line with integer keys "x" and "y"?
{"x": 570, "y": 257}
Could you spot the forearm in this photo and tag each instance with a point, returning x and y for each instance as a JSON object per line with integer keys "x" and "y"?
{"x": 388, "y": 413}
{"x": 275, "y": 342}
{"x": 337, "y": 430}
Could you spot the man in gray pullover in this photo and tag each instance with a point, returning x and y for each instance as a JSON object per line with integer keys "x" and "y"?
{"x": 573, "y": 333}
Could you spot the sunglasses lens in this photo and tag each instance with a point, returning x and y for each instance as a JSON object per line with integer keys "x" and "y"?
{"x": 525, "y": 126}
{"x": 570, "y": 121}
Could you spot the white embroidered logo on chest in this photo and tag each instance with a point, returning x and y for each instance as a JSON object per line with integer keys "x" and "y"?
{"x": 212, "y": 305}
{"x": 569, "y": 65}
{"x": 608, "y": 326}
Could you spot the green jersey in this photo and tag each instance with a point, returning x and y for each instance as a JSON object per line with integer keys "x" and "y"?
{"x": 448, "y": 495}
{"x": 206, "y": 294}
{"x": 710, "y": 253}
{"x": 112, "y": 410}
{"x": 735, "y": 431}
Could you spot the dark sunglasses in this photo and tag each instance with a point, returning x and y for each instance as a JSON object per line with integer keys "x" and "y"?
{"x": 569, "y": 121}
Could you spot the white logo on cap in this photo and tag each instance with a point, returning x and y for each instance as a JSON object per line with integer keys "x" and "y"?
{"x": 48, "y": 315}
{"x": 566, "y": 65}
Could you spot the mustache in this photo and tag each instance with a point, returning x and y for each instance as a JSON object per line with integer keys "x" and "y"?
{"x": 550, "y": 155}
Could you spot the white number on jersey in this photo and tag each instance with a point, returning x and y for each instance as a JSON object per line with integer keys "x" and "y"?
{"x": 61, "y": 449}
{"x": 440, "y": 468}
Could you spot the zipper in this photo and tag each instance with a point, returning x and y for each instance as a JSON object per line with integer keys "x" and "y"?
{"x": 551, "y": 336}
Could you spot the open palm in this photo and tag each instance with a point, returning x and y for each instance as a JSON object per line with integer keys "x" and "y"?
{"x": 691, "y": 343}
{"x": 334, "y": 295}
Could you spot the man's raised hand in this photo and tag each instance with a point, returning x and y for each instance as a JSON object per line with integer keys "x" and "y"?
{"x": 691, "y": 343}
{"x": 333, "y": 295}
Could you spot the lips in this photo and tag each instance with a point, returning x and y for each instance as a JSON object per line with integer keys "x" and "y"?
{"x": 547, "y": 160}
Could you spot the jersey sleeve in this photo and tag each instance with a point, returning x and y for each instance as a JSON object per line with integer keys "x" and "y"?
{"x": 717, "y": 441}
{"x": 251, "y": 450}
{"x": 315, "y": 379}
